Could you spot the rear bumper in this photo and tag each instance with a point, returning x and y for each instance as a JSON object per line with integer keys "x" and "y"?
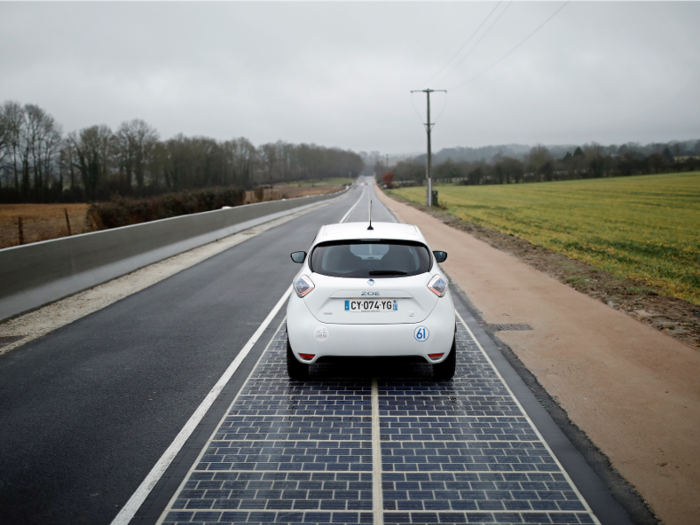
{"x": 309, "y": 336}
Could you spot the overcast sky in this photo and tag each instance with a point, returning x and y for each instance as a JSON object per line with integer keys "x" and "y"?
{"x": 339, "y": 74}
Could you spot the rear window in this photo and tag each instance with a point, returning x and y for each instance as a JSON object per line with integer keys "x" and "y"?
{"x": 370, "y": 259}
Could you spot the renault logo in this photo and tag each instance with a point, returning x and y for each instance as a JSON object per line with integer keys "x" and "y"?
{"x": 371, "y": 282}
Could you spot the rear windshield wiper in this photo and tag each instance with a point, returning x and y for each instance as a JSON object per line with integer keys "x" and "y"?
{"x": 387, "y": 272}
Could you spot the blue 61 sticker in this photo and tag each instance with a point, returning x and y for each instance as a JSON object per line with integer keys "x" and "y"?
{"x": 421, "y": 334}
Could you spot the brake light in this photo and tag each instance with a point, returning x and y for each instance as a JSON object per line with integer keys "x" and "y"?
{"x": 303, "y": 286}
{"x": 307, "y": 357}
{"x": 438, "y": 285}
{"x": 435, "y": 356}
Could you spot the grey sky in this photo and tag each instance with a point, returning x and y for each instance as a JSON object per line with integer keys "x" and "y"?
{"x": 339, "y": 74}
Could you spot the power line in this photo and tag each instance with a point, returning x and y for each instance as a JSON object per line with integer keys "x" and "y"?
{"x": 413, "y": 103}
{"x": 463, "y": 45}
{"x": 509, "y": 52}
{"x": 444, "y": 107}
{"x": 477, "y": 43}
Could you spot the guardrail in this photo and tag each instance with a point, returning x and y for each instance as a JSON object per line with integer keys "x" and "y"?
{"x": 40, "y": 273}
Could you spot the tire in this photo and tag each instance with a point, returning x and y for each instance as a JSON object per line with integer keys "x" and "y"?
{"x": 446, "y": 370}
{"x": 297, "y": 371}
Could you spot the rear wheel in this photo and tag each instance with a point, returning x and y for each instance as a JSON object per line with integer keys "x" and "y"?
{"x": 446, "y": 370}
{"x": 297, "y": 371}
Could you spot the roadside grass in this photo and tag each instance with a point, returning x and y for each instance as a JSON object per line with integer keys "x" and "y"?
{"x": 644, "y": 228}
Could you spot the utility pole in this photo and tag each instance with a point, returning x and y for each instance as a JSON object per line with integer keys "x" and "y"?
{"x": 428, "y": 128}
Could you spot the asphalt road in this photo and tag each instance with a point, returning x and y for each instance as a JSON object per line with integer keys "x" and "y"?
{"x": 87, "y": 410}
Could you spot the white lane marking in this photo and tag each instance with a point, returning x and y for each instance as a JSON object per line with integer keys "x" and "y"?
{"x": 355, "y": 206}
{"x": 205, "y": 448}
{"x": 532, "y": 424}
{"x": 136, "y": 500}
{"x": 378, "y": 498}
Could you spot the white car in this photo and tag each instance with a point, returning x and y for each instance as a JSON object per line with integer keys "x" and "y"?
{"x": 372, "y": 291}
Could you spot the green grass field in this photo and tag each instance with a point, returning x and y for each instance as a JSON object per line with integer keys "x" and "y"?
{"x": 645, "y": 227}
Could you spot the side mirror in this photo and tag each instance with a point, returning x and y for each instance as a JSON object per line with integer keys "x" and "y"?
{"x": 440, "y": 256}
{"x": 298, "y": 257}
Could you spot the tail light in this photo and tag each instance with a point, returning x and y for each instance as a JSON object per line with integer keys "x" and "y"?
{"x": 438, "y": 285}
{"x": 303, "y": 286}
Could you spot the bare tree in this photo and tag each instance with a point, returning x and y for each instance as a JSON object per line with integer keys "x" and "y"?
{"x": 68, "y": 162}
{"x": 597, "y": 159}
{"x": 41, "y": 144}
{"x": 541, "y": 162}
{"x": 285, "y": 151}
{"x": 269, "y": 157}
{"x": 509, "y": 169}
{"x": 14, "y": 120}
{"x": 4, "y": 143}
{"x": 37, "y": 161}
{"x": 135, "y": 143}
{"x": 93, "y": 148}
{"x": 244, "y": 158}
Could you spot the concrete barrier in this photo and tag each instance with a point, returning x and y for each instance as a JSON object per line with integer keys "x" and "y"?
{"x": 39, "y": 273}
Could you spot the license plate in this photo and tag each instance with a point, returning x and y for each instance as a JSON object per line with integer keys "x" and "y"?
{"x": 371, "y": 305}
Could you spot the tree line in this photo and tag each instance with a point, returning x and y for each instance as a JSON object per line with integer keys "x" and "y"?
{"x": 540, "y": 165}
{"x": 39, "y": 163}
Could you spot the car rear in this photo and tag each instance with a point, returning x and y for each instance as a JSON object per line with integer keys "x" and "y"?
{"x": 370, "y": 293}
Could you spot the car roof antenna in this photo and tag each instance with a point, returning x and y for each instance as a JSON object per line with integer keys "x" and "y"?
{"x": 370, "y": 216}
